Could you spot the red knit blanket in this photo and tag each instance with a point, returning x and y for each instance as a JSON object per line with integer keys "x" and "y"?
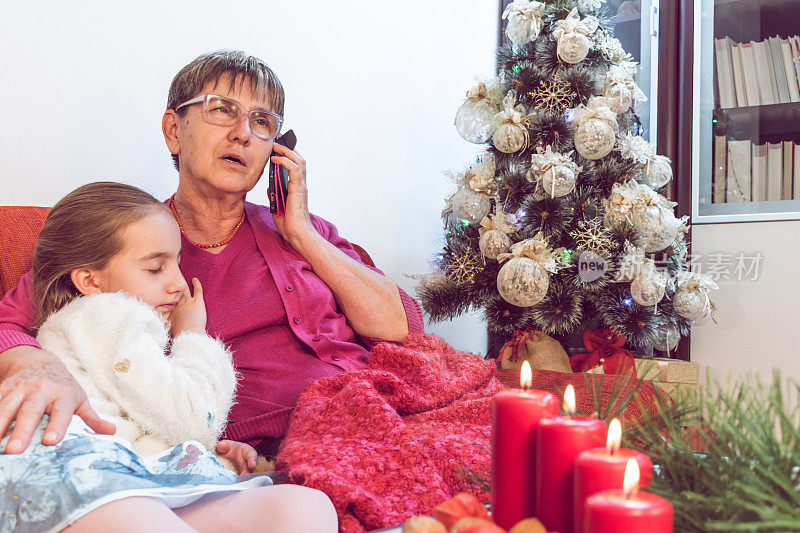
{"x": 389, "y": 441}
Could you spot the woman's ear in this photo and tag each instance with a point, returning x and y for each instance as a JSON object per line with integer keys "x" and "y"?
{"x": 85, "y": 280}
{"x": 169, "y": 126}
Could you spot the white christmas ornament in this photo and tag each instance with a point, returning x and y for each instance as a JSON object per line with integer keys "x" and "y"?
{"x": 611, "y": 48}
{"x": 524, "y": 280}
{"x": 511, "y": 134}
{"x": 648, "y": 212}
{"x": 653, "y": 170}
{"x": 657, "y": 172}
{"x": 692, "y": 300}
{"x": 621, "y": 90}
{"x": 524, "y": 20}
{"x": 649, "y": 287}
{"x": 470, "y": 206}
{"x": 596, "y": 129}
{"x": 556, "y": 172}
{"x": 493, "y": 243}
{"x": 475, "y": 119}
{"x": 494, "y": 232}
{"x": 572, "y": 35}
{"x": 481, "y": 176}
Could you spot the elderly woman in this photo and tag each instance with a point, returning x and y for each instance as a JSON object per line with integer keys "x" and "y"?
{"x": 288, "y": 295}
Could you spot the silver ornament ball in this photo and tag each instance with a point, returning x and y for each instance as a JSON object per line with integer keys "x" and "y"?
{"x": 690, "y": 304}
{"x": 574, "y": 49}
{"x": 667, "y": 340}
{"x": 657, "y": 172}
{"x": 493, "y": 243}
{"x": 470, "y": 206}
{"x": 558, "y": 180}
{"x": 475, "y": 120}
{"x": 595, "y": 139}
{"x": 618, "y": 98}
{"x": 647, "y": 289}
{"x": 509, "y": 138}
{"x": 522, "y": 282}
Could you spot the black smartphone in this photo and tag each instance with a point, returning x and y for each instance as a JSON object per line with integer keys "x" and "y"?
{"x": 278, "y": 186}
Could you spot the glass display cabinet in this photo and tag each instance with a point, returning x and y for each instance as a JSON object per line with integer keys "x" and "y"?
{"x": 746, "y": 111}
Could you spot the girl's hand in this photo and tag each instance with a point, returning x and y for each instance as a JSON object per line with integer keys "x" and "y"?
{"x": 243, "y": 456}
{"x": 190, "y": 312}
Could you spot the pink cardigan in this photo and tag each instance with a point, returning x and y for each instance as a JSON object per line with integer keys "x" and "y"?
{"x": 265, "y": 302}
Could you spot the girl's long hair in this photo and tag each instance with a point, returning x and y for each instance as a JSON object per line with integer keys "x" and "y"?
{"x": 83, "y": 230}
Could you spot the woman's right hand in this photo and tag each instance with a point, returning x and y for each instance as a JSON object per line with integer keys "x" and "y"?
{"x": 34, "y": 382}
{"x": 190, "y": 312}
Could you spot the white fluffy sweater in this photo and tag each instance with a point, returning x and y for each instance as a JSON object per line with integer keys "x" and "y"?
{"x": 116, "y": 347}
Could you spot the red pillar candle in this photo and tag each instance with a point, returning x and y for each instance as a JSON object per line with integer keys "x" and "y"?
{"x": 515, "y": 416}
{"x": 559, "y": 441}
{"x": 600, "y": 469}
{"x": 626, "y": 510}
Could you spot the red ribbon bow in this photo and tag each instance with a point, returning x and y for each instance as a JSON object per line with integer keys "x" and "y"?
{"x": 516, "y": 342}
{"x": 605, "y": 348}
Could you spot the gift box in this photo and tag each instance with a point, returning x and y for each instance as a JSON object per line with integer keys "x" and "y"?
{"x": 677, "y": 378}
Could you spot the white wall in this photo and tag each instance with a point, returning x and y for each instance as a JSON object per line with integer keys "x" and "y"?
{"x": 758, "y": 321}
{"x": 372, "y": 89}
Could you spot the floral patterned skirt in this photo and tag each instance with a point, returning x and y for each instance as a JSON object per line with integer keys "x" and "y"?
{"x": 46, "y": 488}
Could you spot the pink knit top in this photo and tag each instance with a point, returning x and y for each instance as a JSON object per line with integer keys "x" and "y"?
{"x": 265, "y": 302}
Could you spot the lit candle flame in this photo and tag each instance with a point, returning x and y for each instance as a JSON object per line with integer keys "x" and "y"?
{"x": 614, "y": 438}
{"x": 525, "y": 375}
{"x": 569, "y": 400}
{"x": 630, "y": 483}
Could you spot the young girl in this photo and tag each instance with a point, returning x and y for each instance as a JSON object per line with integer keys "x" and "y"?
{"x": 112, "y": 303}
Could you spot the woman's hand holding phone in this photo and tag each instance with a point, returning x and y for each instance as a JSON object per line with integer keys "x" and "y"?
{"x": 295, "y": 225}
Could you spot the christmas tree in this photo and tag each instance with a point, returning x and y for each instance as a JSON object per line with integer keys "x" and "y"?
{"x": 562, "y": 225}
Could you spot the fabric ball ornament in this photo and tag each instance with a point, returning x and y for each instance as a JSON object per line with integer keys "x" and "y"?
{"x": 648, "y": 288}
{"x": 558, "y": 180}
{"x": 657, "y": 226}
{"x": 595, "y": 139}
{"x": 524, "y": 20}
{"x": 689, "y": 304}
{"x": 510, "y": 138}
{"x": 494, "y": 242}
{"x": 656, "y": 172}
{"x": 522, "y": 282}
{"x": 574, "y": 49}
{"x": 470, "y": 206}
{"x": 618, "y": 97}
{"x": 475, "y": 120}
{"x": 572, "y": 34}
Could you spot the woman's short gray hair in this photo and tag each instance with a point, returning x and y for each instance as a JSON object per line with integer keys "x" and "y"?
{"x": 238, "y": 65}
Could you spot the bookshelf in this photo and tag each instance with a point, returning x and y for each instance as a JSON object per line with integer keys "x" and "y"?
{"x": 746, "y": 111}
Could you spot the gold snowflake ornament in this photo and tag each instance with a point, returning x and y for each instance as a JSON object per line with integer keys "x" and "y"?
{"x": 552, "y": 95}
{"x": 592, "y": 236}
{"x": 463, "y": 267}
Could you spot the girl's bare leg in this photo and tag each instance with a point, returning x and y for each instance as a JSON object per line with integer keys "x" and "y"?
{"x": 276, "y": 509}
{"x": 130, "y": 515}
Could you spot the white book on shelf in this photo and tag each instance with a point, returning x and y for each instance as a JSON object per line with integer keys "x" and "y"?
{"x": 738, "y": 78}
{"x": 759, "y": 173}
{"x": 738, "y": 171}
{"x": 794, "y": 44}
{"x": 720, "y": 164}
{"x": 763, "y": 75}
{"x": 788, "y": 159}
{"x": 727, "y": 94}
{"x": 749, "y": 73}
{"x": 774, "y": 171}
{"x": 779, "y": 73}
{"x": 796, "y": 180}
{"x": 788, "y": 67}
